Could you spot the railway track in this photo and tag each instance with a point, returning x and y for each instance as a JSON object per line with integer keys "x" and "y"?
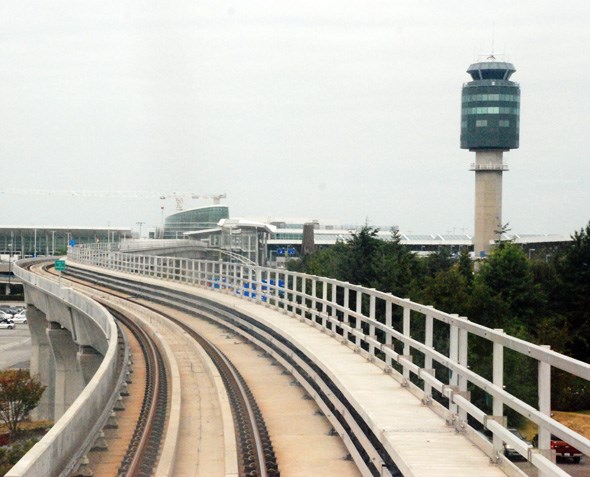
{"x": 256, "y": 456}
{"x": 142, "y": 453}
{"x": 364, "y": 447}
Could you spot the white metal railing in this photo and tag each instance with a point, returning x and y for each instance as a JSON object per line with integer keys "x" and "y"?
{"x": 395, "y": 333}
{"x": 146, "y": 244}
{"x": 488, "y": 167}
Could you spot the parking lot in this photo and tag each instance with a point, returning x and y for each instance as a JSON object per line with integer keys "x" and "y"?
{"x": 15, "y": 345}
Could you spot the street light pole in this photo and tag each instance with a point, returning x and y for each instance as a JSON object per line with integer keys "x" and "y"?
{"x": 9, "y": 265}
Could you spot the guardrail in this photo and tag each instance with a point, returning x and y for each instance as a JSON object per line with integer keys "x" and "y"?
{"x": 394, "y": 333}
{"x": 59, "y": 451}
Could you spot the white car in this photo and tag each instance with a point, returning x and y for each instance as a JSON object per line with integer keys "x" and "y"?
{"x": 6, "y": 325}
{"x": 19, "y": 318}
{"x": 5, "y": 316}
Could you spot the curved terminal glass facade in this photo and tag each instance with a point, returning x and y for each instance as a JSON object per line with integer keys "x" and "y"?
{"x": 201, "y": 218}
{"x": 490, "y": 108}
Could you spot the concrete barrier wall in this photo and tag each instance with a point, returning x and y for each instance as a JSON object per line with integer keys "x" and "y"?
{"x": 53, "y": 454}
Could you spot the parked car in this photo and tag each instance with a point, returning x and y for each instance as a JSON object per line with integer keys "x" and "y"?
{"x": 11, "y": 310}
{"x": 19, "y": 318}
{"x": 509, "y": 451}
{"x": 562, "y": 449}
{"x": 5, "y": 324}
{"x": 5, "y": 316}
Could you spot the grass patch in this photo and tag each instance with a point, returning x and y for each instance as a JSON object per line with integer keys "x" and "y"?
{"x": 17, "y": 445}
{"x": 576, "y": 421}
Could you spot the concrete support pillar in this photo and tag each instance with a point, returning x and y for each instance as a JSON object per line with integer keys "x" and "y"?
{"x": 488, "y": 199}
{"x": 89, "y": 360}
{"x": 42, "y": 364}
{"x": 69, "y": 380}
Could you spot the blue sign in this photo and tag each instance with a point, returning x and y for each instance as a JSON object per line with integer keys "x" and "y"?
{"x": 72, "y": 243}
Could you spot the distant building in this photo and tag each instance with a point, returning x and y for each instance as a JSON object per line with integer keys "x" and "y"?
{"x": 31, "y": 241}
{"x": 199, "y": 218}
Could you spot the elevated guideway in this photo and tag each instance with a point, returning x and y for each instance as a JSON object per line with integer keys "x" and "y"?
{"x": 359, "y": 355}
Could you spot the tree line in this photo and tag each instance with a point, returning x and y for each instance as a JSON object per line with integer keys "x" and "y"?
{"x": 544, "y": 299}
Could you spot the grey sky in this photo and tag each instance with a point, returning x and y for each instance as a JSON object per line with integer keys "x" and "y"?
{"x": 335, "y": 109}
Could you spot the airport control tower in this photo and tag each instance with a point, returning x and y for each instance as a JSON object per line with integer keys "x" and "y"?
{"x": 490, "y": 120}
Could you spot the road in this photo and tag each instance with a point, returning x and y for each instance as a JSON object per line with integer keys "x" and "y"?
{"x": 575, "y": 470}
{"x": 15, "y": 347}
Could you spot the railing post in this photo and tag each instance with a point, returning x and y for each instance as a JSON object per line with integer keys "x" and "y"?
{"x": 260, "y": 284}
{"x": 428, "y": 341}
{"x": 324, "y": 304}
{"x": 463, "y": 357}
{"x": 406, "y": 330}
{"x": 388, "y": 324}
{"x": 544, "y": 392}
{"x": 359, "y": 310}
{"x": 303, "y": 299}
{"x": 498, "y": 380}
{"x": 372, "y": 304}
{"x": 250, "y": 284}
{"x": 454, "y": 357}
{"x": 346, "y": 306}
{"x": 313, "y": 298}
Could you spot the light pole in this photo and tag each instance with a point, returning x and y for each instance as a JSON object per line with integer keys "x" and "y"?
{"x": 140, "y": 225}
{"x": 9, "y": 265}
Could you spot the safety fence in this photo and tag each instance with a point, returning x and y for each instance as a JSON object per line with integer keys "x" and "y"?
{"x": 430, "y": 349}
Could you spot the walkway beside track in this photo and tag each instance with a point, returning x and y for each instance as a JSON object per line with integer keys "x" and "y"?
{"x": 421, "y": 442}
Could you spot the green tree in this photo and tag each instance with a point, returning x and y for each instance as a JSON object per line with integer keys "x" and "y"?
{"x": 19, "y": 394}
{"x": 447, "y": 291}
{"x": 505, "y": 295}
{"x": 396, "y": 269}
{"x": 572, "y": 297}
{"x": 439, "y": 261}
{"x": 357, "y": 263}
{"x": 465, "y": 266}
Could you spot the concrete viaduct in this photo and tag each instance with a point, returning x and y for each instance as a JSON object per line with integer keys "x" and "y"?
{"x": 363, "y": 341}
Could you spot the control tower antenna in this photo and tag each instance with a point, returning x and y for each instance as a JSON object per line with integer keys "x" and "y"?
{"x": 492, "y": 57}
{"x": 490, "y": 121}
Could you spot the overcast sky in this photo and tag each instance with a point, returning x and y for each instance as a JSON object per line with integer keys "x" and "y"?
{"x": 346, "y": 110}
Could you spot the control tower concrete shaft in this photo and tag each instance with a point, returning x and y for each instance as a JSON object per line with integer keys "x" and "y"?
{"x": 490, "y": 121}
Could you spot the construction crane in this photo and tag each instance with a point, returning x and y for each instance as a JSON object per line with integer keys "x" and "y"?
{"x": 177, "y": 196}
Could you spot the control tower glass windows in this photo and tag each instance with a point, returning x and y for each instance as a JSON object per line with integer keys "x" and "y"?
{"x": 468, "y": 98}
{"x": 493, "y": 98}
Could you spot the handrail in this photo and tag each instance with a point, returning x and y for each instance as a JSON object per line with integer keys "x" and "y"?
{"x": 368, "y": 327}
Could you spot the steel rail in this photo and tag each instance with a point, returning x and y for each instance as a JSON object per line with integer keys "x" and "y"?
{"x": 247, "y": 416}
{"x": 142, "y": 452}
{"x": 143, "y": 449}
